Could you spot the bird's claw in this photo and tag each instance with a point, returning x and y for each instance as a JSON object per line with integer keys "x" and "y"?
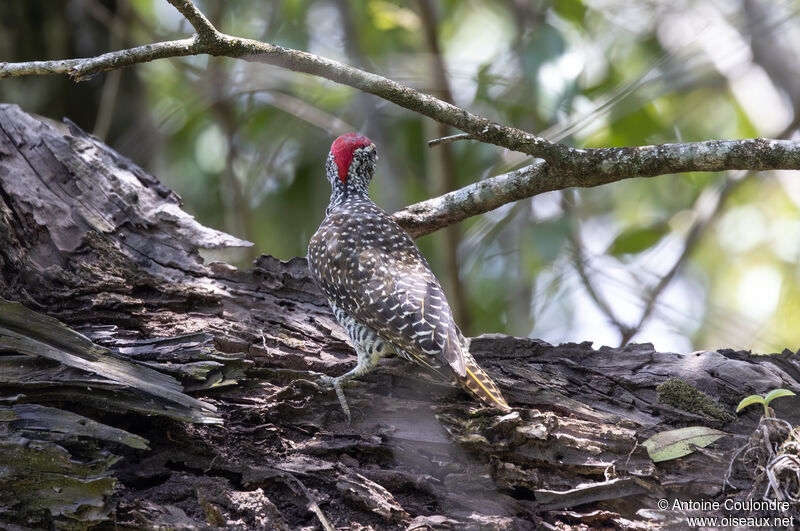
{"x": 337, "y": 386}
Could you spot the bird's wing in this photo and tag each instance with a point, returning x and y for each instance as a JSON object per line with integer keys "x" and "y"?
{"x": 405, "y": 304}
{"x": 384, "y": 282}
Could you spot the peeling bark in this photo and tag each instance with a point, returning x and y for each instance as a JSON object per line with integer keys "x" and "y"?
{"x": 92, "y": 241}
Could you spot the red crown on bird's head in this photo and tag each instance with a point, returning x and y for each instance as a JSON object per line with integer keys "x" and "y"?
{"x": 343, "y": 149}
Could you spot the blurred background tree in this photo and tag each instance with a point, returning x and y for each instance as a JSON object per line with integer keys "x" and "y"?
{"x": 686, "y": 262}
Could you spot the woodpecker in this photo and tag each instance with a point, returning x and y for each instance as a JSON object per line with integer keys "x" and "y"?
{"x": 379, "y": 286}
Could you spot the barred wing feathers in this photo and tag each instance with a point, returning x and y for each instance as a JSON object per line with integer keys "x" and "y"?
{"x": 407, "y": 307}
{"x": 371, "y": 268}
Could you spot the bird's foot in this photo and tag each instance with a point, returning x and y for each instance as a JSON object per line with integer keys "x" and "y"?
{"x": 337, "y": 386}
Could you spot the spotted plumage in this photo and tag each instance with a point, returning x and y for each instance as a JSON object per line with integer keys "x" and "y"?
{"x": 380, "y": 287}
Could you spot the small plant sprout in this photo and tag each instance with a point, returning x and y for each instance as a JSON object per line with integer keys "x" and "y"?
{"x": 764, "y": 400}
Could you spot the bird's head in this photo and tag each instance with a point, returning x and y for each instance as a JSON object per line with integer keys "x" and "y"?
{"x": 351, "y": 162}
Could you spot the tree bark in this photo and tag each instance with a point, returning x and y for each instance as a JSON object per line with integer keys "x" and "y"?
{"x": 143, "y": 387}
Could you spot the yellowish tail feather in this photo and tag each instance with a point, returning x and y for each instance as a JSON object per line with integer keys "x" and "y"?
{"x": 481, "y": 385}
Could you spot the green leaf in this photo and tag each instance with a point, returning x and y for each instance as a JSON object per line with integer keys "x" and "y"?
{"x": 750, "y": 400}
{"x": 673, "y": 444}
{"x": 573, "y": 10}
{"x": 776, "y": 393}
{"x": 637, "y": 239}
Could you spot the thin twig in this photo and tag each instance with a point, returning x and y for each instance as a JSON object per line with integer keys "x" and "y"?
{"x": 579, "y": 262}
{"x": 706, "y": 210}
{"x": 705, "y": 214}
{"x": 448, "y": 139}
{"x": 195, "y": 17}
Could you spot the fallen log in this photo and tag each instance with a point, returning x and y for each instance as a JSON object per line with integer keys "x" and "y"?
{"x": 143, "y": 387}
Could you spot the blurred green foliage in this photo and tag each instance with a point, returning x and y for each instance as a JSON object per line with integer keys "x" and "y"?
{"x": 245, "y": 144}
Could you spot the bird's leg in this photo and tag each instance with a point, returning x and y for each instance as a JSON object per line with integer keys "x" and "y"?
{"x": 337, "y": 386}
{"x": 368, "y": 357}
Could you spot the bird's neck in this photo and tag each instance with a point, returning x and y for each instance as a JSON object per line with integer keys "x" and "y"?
{"x": 341, "y": 194}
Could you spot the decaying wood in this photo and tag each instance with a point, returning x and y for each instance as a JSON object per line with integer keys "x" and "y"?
{"x": 142, "y": 387}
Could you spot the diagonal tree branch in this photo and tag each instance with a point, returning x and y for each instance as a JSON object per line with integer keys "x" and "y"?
{"x": 213, "y": 42}
{"x": 565, "y": 167}
{"x": 600, "y": 166}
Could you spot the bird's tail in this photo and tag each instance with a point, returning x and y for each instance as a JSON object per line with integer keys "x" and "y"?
{"x": 480, "y": 385}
